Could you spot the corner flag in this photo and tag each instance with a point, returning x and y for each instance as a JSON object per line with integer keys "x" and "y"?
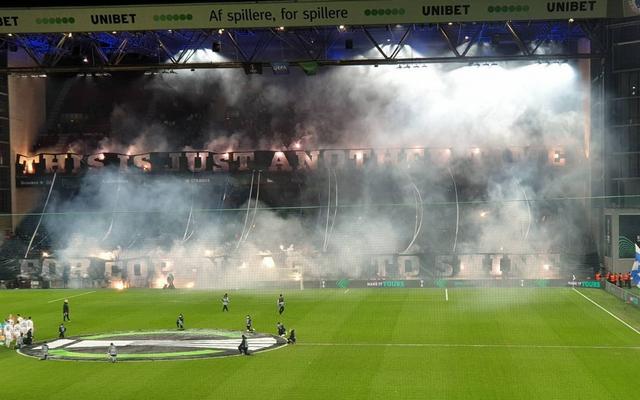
{"x": 635, "y": 270}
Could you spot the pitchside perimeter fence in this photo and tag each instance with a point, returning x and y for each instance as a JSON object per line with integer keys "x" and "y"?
{"x": 624, "y": 295}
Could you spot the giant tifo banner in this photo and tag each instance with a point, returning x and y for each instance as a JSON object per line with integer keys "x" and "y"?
{"x": 388, "y": 271}
{"x": 298, "y": 14}
{"x": 33, "y": 170}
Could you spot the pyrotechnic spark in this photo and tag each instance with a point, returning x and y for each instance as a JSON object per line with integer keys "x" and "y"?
{"x": 159, "y": 282}
{"x": 104, "y": 255}
{"x": 268, "y": 262}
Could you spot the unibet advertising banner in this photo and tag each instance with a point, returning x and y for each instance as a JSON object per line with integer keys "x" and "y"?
{"x": 288, "y": 14}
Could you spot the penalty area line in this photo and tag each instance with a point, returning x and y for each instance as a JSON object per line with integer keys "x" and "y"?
{"x": 69, "y": 297}
{"x": 607, "y": 311}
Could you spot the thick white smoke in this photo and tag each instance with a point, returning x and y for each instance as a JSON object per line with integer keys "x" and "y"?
{"x": 482, "y": 117}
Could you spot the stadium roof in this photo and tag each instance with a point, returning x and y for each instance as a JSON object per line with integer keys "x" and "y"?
{"x": 204, "y": 35}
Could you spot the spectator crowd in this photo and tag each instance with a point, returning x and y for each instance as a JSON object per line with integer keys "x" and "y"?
{"x": 622, "y": 280}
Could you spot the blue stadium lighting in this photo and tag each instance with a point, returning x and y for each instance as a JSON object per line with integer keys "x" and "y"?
{"x": 130, "y": 48}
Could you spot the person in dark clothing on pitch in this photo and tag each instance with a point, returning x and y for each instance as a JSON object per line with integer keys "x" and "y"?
{"x": 249, "y": 324}
{"x": 61, "y": 330}
{"x": 281, "y": 304}
{"x": 28, "y": 340}
{"x": 65, "y": 311}
{"x": 292, "y": 337}
{"x": 282, "y": 331}
{"x": 180, "y": 322}
{"x": 244, "y": 347}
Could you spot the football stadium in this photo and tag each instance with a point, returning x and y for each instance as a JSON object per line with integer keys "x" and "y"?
{"x": 349, "y": 199}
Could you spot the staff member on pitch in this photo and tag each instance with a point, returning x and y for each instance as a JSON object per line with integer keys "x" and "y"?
{"x": 225, "y": 302}
{"x": 45, "y": 351}
{"x": 249, "y": 323}
{"x": 65, "y": 311}
{"x": 180, "y": 322}
{"x": 244, "y": 347}
{"x": 281, "y": 304}
{"x": 292, "y": 337}
{"x": 113, "y": 352}
{"x": 282, "y": 331}
{"x": 61, "y": 330}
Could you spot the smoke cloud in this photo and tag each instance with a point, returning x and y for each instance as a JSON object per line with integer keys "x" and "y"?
{"x": 510, "y": 139}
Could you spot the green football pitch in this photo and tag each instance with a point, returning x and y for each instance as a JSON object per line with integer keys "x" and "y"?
{"x": 544, "y": 343}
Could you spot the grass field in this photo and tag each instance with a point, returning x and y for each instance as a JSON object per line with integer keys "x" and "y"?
{"x": 549, "y": 343}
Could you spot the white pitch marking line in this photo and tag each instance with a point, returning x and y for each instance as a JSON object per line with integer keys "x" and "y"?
{"x": 607, "y": 311}
{"x": 446, "y": 294}
{"x": 69, "y": 297}
{"x": 444, "y": 345}
{"x": 346, "y": 291}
